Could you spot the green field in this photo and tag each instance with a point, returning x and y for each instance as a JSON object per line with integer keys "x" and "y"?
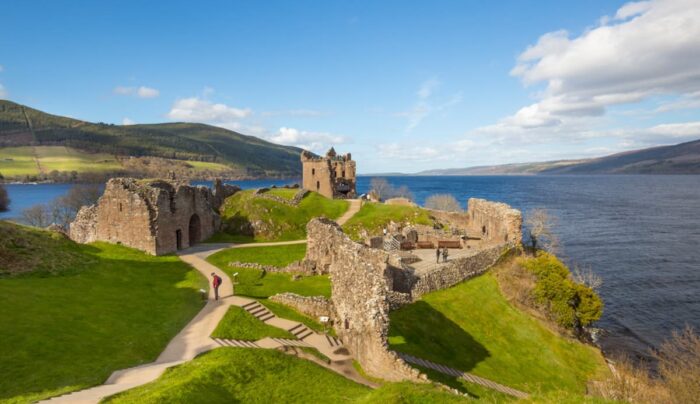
{"x": 206, "y": 165}
{"x": 471, "y": 327}
{"x": 373, "y": 217}
{"x": 72, "y": 314}
{"x": 239, "y": 375}
{"x": 258, "y": 284}
{"x": 239, "y": 324}
{"x": 284, "y": 193}
{"x": 282, "y": 222}
{"x": 22, "y": 161}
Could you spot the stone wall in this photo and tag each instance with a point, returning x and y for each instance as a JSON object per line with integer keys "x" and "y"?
{"x": 362, "y": 295}
{"x": 457, "y": 270}
{"x": 156, "y": 216}
{"x": 494, "y": 221}
{"x": 312, "y": 306}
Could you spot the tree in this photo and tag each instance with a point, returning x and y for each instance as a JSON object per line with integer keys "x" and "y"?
{"x": 445, "y": 202}
{"x": 37, "y": 215}
{"x": 540, "y": 230}
{"x": 4, "y": 199}
{"x": 379, "y": 187}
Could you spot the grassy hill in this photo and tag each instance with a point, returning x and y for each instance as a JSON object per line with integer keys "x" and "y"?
{"x": 247, "y": 217}
{"x": 21, "y": 126}
{"x": 72, "y": 314}
{"x": 239, "y": 375}
{"x": 373, "y": 217}
{"x": 472, "y": 327}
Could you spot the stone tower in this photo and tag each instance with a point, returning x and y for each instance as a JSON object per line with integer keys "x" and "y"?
{"x": 332, "y": 176}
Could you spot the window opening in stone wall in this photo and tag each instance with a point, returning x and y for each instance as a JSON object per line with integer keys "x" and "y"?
{"x": 178, "y": 238}
{"x": 120, "y": 207}
{"x": 318, "y": 185}
{"x": 483, "y": 229}
{"x": 313, "y": 171}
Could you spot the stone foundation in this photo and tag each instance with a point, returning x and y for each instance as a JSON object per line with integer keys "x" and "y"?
{"x": 312, "y": 306}
{"x": 494, "y": 221}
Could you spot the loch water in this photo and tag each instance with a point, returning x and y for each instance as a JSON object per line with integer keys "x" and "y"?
{"x": 640, "y": 233}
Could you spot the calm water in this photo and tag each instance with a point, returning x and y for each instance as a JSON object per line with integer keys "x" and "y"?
{"x": 640, "y": 233}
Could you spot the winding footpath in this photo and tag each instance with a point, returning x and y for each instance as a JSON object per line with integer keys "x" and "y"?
{"x": 195, "y": 338}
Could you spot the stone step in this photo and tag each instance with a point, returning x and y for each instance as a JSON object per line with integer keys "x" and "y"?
{"x": 257, "y": 311}
{"x": 253, "y": 303}
{"x": 333, "y": 341}
{"x": 305, "y": 334}
{"x": 299, "y": 330}
{"x": 236, "y": 343}
{"x": 295, "y": 328}
{"x": 266, "y": 317}
{"x": 291, "y": 342}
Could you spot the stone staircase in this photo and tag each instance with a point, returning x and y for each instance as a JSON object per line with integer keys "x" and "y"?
{"x": 292, "y": 342}
{"x": 333, "y": 341}
{"x": 236, "y": 343}
{"x": 391, "y": 244}
{"x": 301, "y": 331}
{"x": 258, "y": 311}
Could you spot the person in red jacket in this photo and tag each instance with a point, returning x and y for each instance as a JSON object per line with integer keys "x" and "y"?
{"x": 216, "y": 282}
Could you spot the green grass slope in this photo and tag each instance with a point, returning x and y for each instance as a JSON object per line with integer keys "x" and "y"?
{"x": 239, "y": 375}
{"x": 473, "y": 328}
{"x": 73, "y": 313}
{"x": 24, "y": 126}
{"x": 28, "y": 161}
{"x": 259, "y": 284}
{"x": 373, "y": 217}
{"x": 239, "y": 324}
{"x": 276, "y": 221}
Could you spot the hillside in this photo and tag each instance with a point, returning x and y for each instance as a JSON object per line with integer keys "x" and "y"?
{"x": 193, "y": 143}
{"x": 683, "y": 158}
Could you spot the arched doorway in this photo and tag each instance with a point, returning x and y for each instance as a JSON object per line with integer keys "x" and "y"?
{"x": 195, "y": 230}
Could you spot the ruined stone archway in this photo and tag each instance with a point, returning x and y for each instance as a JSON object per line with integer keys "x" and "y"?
{"x": 195, "y": 230}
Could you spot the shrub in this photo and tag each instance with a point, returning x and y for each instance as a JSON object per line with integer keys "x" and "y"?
{"x": 573, "y": 305}
{"x": 445, "y": 202}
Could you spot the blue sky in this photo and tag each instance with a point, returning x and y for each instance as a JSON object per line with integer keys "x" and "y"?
{"x": 404, "y": 86}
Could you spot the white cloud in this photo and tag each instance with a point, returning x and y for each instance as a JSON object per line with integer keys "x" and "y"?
{"x": 648, "y": 51}
{"x": 411, "y": 152}
{"x": 127, "y": 121}
{"x": 427, "y": 88}
{"x": 313, "y": 141}
{"x": 195, "y": 109}
{"x": 140, "y": 92}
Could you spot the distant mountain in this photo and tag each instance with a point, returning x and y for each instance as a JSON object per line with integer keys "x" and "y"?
{"x": 682, "y": 158}
{"x": 246, "y": 155}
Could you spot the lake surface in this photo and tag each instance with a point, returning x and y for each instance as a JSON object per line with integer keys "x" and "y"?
{"x": 640, "y": 233}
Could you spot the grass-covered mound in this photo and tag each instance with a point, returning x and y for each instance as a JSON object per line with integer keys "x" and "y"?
{"x": 259, "y": 284}
{"x": 473, "y": 328}
{"x": 239, "y": 375}
{"x": 29, "y": 250}
{"x": 273, "y": 221}
{"x": 107, "y": 308}
{"x": 373, "y": 217}
{"x": 239, "y": 324}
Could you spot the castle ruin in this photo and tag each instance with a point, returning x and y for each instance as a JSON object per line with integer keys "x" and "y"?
{"x": 332, "y": 176}
{"x": 155, "y": 216}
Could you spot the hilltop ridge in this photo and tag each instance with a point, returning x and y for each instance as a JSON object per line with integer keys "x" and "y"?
{"x": 218, "y": 149}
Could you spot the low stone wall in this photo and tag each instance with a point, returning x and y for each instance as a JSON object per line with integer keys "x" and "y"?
{"x": 84, "y": 227}
{"x": 312, "y": 306}
{"x": 361, "y": 282}
{"x": 458, "y": 270}
{"x": 263, "y": 193}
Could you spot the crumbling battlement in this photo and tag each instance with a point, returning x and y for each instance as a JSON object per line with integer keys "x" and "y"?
{"x": 154, "y": 216}
{"x": 332, "y": 176}
{"x": 494, "y": 221}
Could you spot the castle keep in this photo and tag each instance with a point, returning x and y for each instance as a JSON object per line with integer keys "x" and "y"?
{"x": 155, "y": 216}
{"x": 332, "y": 176}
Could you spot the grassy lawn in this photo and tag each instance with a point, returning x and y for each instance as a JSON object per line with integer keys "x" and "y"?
{"x": 17, "y": 161}
{"x": 206, "y": 165}
{"x": 239, "y": 375}
{"x": 107, "y": 307}
{"x": 239, "y": 324}
{"x": 258, "y": 284}
{"x": 284, "y": 311}
{"x": 281, "y": 222}
{"x": 473, "y": 328}
{"x": 373, "y": 217}
{"x": 278, "y": 256}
